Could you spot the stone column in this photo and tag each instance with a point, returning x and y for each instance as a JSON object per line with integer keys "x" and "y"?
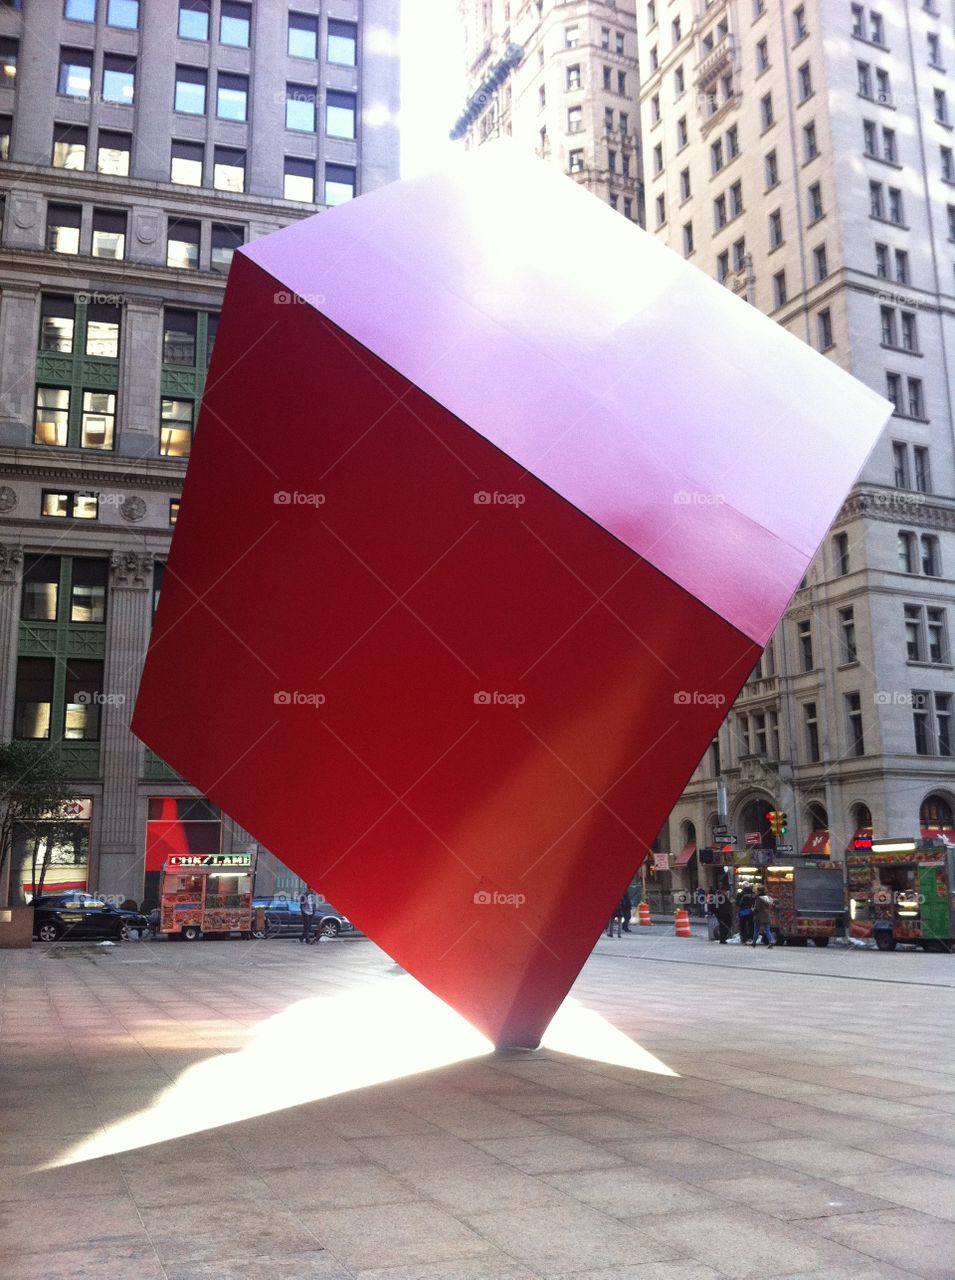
{"x": 128, "y": 622}
{"x": 18, "y": 312}
{"x": 11, "y": 567}
{"x": 139, "y": 378}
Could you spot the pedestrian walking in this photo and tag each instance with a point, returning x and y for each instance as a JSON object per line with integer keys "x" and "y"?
{"x": 744, "y": 904}
{"x": 308, "y": 914}
{"x": 724, "y": 916}
{"x": 623, "y": 910}
{"x": 626, "y": 902}
{"x": 762, "y": 909}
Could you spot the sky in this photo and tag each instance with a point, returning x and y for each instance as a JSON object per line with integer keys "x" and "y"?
{"x": 432, "y": 82}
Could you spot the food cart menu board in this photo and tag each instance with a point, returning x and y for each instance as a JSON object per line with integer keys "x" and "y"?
{"x": 819, "y": 891}
{"x": 210, "y": 860}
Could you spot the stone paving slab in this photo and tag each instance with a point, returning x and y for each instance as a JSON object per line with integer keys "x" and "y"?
{"x": 800, "y": 1138}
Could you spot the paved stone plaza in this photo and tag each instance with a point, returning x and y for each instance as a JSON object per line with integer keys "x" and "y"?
{"x": 809, "y": 1130}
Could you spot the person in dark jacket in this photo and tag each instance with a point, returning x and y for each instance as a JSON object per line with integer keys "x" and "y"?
{"x": 744, "y": 905}
{"x": 621, "y": 914}
{"x": 762, "y": 916}
{"x": 626, "y": 909}
{"x": 724, "y": 915}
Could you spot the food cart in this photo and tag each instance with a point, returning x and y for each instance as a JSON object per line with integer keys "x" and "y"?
{"x": 206, "y": 893}
{"x": 809, "y": 900}
{"x": 903, "y": 890}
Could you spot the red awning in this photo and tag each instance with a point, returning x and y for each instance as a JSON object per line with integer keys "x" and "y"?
{"x": 685, "y": 854}
{"x": 861, "y": 841}
{"x": 818, "y": 844}
{"x": 932, "y": 833}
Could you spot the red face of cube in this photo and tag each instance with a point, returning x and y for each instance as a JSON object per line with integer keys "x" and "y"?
{"x": 457, "y": 698}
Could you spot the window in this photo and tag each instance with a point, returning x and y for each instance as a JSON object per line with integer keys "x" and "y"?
{"x": 804, "y": 640}
{"x": 882, "y": 261}
{"x": 228, "y": 173}
{"x": 225, "y": 241}
{"x": 812, "y": 731}
{"x": 619, "y": 42}
{"x": 762, "y": 56}
{"x": 736, "y": 199}
{"x": 68, "y": 505}
{"x": 303, "y": 36}
{"x": 869, "y": 138}
{"x": 608, "y": 120}
{"x": 624, "y": 123}
{"x": 864, "y": 79}
{"x": 820, "y": 262}
{"x": 340, "y": 114}
{"x": 194, "y": 19}
{"x": 300, "y": 107}
{"x": 883, "y": 89}
{"x": 102, "y": 330}
{"x": 936, "y": 641}
{"x": 676, "y": 30}
{"x": 745, "y": 743}
{"x": 611, "y": 160}
{"x": 739, "y": 254}
{"x": 687, "y": 239}
{"x": 76, "y": 73}
{"x": 232, "y": 96}
{"x": 679, "y": 82}
{"x": 57, "y": 322}
{"x": 34, "y": 695}
{"x": 173, "y": 510}
{"x": 119, "y": 79}
{"x": 573, "y": 76}
{"x": 800, "y": 30}
{"x": 902, "y": 266}
{"x": 605, "y": 37}
{"x": 299, "y": 180}
{"x": 342, "y": 43}
{"x": 716, "y": 156}
{"x": 906, "y": 549}
{"x": 890, "y": 150}
{"x": 909, "y": 331}
{"x": 809, "y": 144}
{"x": 948, "y": 164}
{"x": 847, "y": 636}
{"x": 80, "y": 10}
{"x": 571, "y": 37}
{"x": 98, "y": 419}
{"x": 175, "y": 429}
{"x": 766, "y": 110}
{"x": 893, "y": 392}
{"x": 840, "y": 550}
{"x": 824, "y": 329}
{"x": 719, "y": 212}
{"x": 816, "y": 210}
{"x": 63, "y": 228}
{"x": 123, "y": 13}
{"x": 900, "y": 459}
{"x": 52, "y": 416}
{"x": 876, "y": 201}
{"x": 923, "y": 479}
{"x": 185, "y": 167}
{"x": 235, "y": 24}
{"x": 775, "y": 229}
{"x": 732, "y": 142}
{"x": 771, "y": 170}
{"x": 876, "y": 28}
{"x": 179, "y": 337}
{"x": 887, "y": 318}
{"x": 723, "y": 266}
{"x": 576, "y": 162}
{"x": 921, "y": 706}
{"x": 940, "y": 99}
{"x": 943, "y": 723}
{"x": 934, "y": 49}
{"x": 655, "y": 109}
{"x": 6, "y": 127}
{"x": 622, "y": 82}
{"x": 682, "y": 137}
{"x": 69, "y": 146}
{"x": 930, "y": 558}
{"x": 804, "y": 81}
{"x": 858, "y": 21}
{"x": 916, "y": 402}
{"x": 541, "y": 97}
{"x": 41, "y": 581}
{"x": 88, "y": 591}
{"x": 854, "y": 724}
{"x": 113, "y": 153}
{"x": 654, "y": 57}
{"x": 684, "y": 184}
{"x": 109, "y": 234}
{"x": 661, "y": 209}
{"x": 190, "y": 96}
{"x": 608, "y": 78}
{"x": 651, "y": 15}
{"x": 575, "y": 119}
{"x": 950, "y": 209}
{"x": 182, "y": 244}
{"x": 779, "y": 288}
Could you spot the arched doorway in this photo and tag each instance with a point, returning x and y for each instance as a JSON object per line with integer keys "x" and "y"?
{"x": 936, "y": 816}
{"x": 860, "y": 827}
{"x": 753, "y": 821}
{"x": 861, "y": 816}
{"x": 817, "y": 842}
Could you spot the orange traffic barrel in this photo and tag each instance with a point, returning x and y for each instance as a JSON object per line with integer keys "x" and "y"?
{"x": 643, "y": 914}
{"x": 682, "y": 922}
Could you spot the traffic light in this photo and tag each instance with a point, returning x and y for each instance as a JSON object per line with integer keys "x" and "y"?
{"x": 782, "y": 824}
{"x": 771, "y": 818}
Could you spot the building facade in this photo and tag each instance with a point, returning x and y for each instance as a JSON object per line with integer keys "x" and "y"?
{"x": 140, "y": 144}
{"x": 802, "y": 153}
{"x": 567, "y": 89}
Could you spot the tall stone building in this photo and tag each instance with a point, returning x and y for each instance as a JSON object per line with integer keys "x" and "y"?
{"x": 140, "y": 143}
{"x": 804, "y": 155}
{"x": 560, "y": 76}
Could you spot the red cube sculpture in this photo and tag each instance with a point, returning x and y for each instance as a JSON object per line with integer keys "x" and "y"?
{"x": 494, "y": 503}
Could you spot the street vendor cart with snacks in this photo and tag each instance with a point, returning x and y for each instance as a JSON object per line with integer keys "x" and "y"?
{"x": 903, "y": 890}
{"x": 206, "y": 894}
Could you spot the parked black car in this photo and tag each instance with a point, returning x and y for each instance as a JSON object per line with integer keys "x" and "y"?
{"x": 283, "y": 917}
{"x": 80, "y": 915}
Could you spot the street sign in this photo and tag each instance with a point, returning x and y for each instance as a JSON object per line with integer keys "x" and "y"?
{"x": 721, "y": 831}
{"x": 727, "y": 839}
{"x": 784, "y": 848}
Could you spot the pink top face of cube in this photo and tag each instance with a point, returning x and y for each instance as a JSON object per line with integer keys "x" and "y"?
{"x": 703, "y": 435}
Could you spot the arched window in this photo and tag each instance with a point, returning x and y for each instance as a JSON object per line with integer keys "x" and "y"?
{"x": 935, "y": 811}
{"x": 861, "y": 816}
{"x": 817, "y": 816}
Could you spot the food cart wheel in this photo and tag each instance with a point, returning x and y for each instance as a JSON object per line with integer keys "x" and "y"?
{"x": 190, "y": 933}
{"x": 821, "y": 942}
{"x": 884, "y": 940}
